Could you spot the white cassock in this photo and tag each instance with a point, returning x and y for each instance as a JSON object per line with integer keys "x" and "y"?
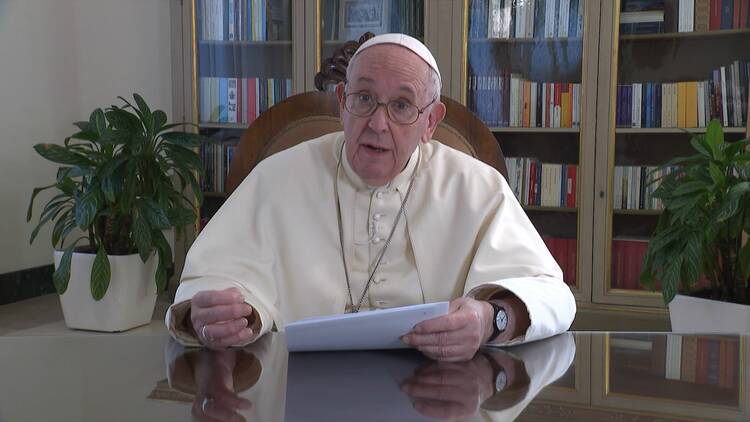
{"x": 463, "y": 232}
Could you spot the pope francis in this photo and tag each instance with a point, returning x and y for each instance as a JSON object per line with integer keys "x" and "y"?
{"x": 375, "y": 217}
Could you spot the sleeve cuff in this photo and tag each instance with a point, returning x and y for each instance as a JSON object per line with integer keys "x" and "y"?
{"x": 179, "y": 325}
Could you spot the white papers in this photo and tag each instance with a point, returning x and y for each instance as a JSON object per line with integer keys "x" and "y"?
{"x": 380, "y": 329}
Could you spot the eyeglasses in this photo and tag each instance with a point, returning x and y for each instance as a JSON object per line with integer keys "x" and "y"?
{"x": 402, "y": 112}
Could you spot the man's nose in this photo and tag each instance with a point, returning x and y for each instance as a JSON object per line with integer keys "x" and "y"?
{"x": 379, "y": 119}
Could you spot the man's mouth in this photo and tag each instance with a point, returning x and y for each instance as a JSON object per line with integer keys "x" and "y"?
{"x": 374, "y": 148}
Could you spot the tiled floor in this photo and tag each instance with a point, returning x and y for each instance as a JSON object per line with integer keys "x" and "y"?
{"x": 42, "y": 316}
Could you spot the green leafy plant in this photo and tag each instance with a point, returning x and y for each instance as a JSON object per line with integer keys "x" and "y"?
{"x": 121, "y": 182}
{"x": 705, "y": 215}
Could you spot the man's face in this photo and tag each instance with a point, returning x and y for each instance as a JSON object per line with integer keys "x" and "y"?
{"x": 376, "y": 147}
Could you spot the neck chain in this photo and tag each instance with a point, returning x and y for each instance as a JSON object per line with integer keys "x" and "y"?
{"x": 355, "y": 308}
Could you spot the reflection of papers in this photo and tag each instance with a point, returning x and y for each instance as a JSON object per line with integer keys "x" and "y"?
{"x": 379, "y": 329}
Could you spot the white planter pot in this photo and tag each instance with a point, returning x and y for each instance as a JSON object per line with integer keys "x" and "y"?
{"x": 128, "y": 303}
{"x": 695, "y": 315}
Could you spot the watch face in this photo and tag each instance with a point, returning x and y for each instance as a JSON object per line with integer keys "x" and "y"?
{"x": 501, "y": 320}
{"x": 501, "y": 381}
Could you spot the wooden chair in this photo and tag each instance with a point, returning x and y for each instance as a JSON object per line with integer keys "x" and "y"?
{"x": 312, "y": 114}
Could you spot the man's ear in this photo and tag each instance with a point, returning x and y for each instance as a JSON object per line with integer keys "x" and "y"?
{"x": 437, "y": 114}
{"x": 340, "y": 95}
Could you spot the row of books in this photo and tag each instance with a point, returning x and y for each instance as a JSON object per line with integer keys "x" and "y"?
{"x": 542, "y": 184}
{"x": 563, "y": 249}
{"x": 694, "y": 359}
{"x": 216, "y": 159}
{"x": 506, "y": 19}
{"x": 633, "y": 189}
{"x": 627, "y": 261}
{"x": 507, "y": 100}
{"x": 244, "y": 20}
{"x": 701, "y": 360}
{"x": 656, "y": 16}
{"x": 724, "y": 96}
{"x": 239, "y": 100}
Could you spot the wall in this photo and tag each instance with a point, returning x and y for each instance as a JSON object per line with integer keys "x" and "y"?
{"x": 60, "y": 59}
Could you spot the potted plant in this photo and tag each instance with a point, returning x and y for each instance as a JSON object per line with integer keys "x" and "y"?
{"x": 702, "y": 232}
{"x": 119, "y": 186}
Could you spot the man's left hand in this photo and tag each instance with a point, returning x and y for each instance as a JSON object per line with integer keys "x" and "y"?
{"x": 454, "y": 337}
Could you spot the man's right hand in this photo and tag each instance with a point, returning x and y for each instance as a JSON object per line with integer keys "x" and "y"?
{"x": 219, "y": 318}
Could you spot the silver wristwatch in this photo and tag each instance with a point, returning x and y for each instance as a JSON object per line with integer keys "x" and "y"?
{"x": 501, "y": 321}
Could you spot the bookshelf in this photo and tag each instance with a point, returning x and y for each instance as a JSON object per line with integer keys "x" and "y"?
{"x": 656, "y": 88}
{"x": 244, "y": 61}
{"x": 525, "y": 74}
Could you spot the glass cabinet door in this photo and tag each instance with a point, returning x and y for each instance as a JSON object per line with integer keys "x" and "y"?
{"x": 347, "y": 20}
{"x": 524, "y": 77}
{"x": 679, "y": 64}
{"x": 697, "y": 376}
{"x": 243, "y": 66}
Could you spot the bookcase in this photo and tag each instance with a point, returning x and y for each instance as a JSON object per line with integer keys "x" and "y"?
{"x": 672, "y": 67}
{"x": 584, "y": 98}
{"x": 527, "y": 73}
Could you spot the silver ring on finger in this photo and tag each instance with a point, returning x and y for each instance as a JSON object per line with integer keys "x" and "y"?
{"x": 205, "y": 336}
{"x": 206, "y": 401}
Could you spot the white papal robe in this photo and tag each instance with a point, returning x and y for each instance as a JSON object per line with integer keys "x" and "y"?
{"x": 463, "y": 232}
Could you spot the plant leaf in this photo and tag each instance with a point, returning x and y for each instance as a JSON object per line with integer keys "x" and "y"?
{"x": 689, "y": 188}
{"x": 97, "y": 122}
{"x": 728, "y": 209}
{"x": 700, "y": 145}
{"x": 146, "y": 116}
{"x": 33, "y": 196}
{"x": 155, "y": 215}
{"x": 184, "y": 139}
{"x": 123, "y": 120}
{"x": 100, "y": 274}
{"x": 142, "y": 236}
{"x": 85, "y": 211}
{"x": 744, "y": 258}
{"x": 62, "y": 155}
{"x": 61, "y": 276}
{"x": 160, "y": 118}
{"x": 670, "y": 279}
{"x": 108, "y": 189}
{"x": 181, "y": 216}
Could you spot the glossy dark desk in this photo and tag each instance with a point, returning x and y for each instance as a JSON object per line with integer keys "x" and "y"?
{"x": 579, "y": 376}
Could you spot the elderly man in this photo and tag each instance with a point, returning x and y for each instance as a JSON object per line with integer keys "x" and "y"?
{"x": 375, "y": 217}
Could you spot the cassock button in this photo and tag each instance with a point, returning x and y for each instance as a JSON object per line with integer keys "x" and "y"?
{"x": 380, "y": 280}
{"x": 379, "y": 194}
{"x": 376, "y": 240}
{"x": 376, "y": 217}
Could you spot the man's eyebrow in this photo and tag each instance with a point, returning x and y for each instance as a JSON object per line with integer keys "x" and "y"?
{"x": 403, "y": 88}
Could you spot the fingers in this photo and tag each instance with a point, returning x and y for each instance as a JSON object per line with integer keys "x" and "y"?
{"x": 219, "y": 313}
{"x": 451, "y": 322}
{"x": 220, "y": 408}
{"x": 218, "y": 331}
{"x": 453, "y": 353}
{"x": 442, "y": 410}
{"x": 239, "y": 337}
{"x": 217, "y": 297}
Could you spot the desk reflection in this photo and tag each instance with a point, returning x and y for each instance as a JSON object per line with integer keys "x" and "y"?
{"x": 252, "y": 383}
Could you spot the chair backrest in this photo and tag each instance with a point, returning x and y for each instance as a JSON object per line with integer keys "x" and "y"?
{"x": 312, "y": 114}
